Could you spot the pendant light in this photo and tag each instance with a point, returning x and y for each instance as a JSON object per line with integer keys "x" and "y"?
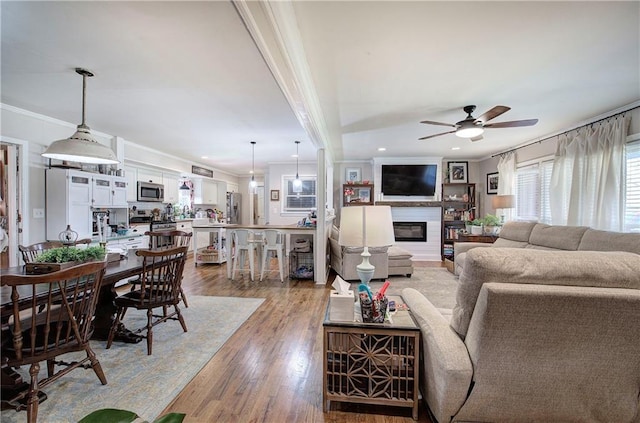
{"x": 184, "y": 186}
{"x": 81, "y": 146}
{"x": 253, "y": 182}
{"x": 297, "y": 183}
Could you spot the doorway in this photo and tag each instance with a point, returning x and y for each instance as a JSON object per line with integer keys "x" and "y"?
{"x": 257, "y": 209}
{"x": 10, "y": 201}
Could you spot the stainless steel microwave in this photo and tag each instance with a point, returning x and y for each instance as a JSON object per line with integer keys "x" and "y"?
{"x": 148, "y": 191}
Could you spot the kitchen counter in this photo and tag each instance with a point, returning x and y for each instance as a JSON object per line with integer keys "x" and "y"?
{"x": 118, "y": 237}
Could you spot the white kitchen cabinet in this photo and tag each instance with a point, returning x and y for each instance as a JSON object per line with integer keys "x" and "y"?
{"x": 130, "y": 174}
{"x": 171, "y": 190}
{"x": 231, "y": 187}
{"x": 109, "y": 191}
{"x": 68, "y": 202}
{"x": 205, "y": 192}
{"x": 148, "y": 175}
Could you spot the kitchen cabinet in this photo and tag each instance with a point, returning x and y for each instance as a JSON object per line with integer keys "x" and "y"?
{"x": 130, "y": 174}
{"x": 171, "y": 190}
{"x": 148, "y": 175}
{"x": 205, "y": 192}
{"x": 231, "y": 187}
{"x": 68, "y": 199}
{"x": 109, "y": 191}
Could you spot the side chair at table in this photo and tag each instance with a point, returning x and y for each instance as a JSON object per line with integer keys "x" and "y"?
{"x": 51, "y": 315}
{"x": 176, "y": 239}
{"x": 159, "y": 287}
{"x": 31, "y": 252}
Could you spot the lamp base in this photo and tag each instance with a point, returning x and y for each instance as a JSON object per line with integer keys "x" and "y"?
{"x": 365, "y": 269}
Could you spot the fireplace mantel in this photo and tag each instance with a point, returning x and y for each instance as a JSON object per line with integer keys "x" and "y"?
{"x": 410, "y": 203}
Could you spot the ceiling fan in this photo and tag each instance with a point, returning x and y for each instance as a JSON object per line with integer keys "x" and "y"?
{"x": 473, "y": 128}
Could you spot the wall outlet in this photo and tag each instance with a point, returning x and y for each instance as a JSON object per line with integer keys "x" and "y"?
{"x": 38, "y": 213}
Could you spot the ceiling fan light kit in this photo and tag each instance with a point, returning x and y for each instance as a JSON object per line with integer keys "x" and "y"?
{"x": 473, "y": 128}
{"x": 81, "y": 146}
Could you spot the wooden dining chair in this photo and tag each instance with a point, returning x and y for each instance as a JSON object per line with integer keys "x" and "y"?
{"x": 174, "y": 238}
{"x": 159, "y": 288}
{"x": 51, "y": 315}
{"x": 30, "y": 252}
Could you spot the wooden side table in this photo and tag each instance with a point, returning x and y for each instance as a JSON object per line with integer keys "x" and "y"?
{"x": 372, "y": 363}
{"x": 489, "y": 239}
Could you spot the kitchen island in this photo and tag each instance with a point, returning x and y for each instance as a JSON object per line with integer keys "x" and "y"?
{"x": 225, "y": 232}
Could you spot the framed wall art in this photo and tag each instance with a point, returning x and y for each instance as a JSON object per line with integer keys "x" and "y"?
{"x": 492, "y": 183}
{"x": 352, "y": 174}
{"x": 458, "y": 172}
{"x": 275, "y": 195}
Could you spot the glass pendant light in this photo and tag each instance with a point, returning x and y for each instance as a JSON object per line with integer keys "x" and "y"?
{"x": 297, "y": 183}
{"x": 81, "y": 146}
{"x": 253, "y": 182}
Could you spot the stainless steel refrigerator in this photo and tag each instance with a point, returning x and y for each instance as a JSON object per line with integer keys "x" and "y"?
{"x": 234, "y": 207}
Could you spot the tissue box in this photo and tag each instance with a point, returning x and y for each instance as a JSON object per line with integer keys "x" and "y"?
{"x": 341, "y": 306}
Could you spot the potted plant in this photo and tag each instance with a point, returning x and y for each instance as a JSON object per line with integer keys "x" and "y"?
{"x": 491, "y": 224}
{"x": 62, "y": 257}
{"x": 476, "y": 226}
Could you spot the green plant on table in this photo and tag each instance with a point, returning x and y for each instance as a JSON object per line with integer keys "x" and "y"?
{"x": 67, "y": 254}
{"x": 477, "y": 222}
{"x": 491, "y": 220}
{"x": 112, "y": 415}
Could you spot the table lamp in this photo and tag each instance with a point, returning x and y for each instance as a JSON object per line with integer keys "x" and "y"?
{"x": 366, "y": 226}
{"x": 503, "y": 202}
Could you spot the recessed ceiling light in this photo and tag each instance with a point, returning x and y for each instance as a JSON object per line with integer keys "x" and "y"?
{"x": 382, "y": 149}
{"x": 204, "y": 157}
{"x": 250, "y": 172}
{"x": 455, "y": 148}
{"x": 294, "y": 155}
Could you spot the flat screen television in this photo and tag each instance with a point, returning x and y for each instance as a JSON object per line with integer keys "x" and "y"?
{"x": 409, "y": 180}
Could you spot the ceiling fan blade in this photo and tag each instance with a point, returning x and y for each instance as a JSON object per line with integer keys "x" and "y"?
{"x": 493, "y": 113}
{"x": 436, "y": 135}
{"x": 430, "y": 122}
{"x": 478, "y": 138}
{"x": 512, "y": 124}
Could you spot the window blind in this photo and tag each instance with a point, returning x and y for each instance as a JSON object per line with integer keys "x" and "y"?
{"x": 528, "y": 193}
{"x": 632, "y": 196}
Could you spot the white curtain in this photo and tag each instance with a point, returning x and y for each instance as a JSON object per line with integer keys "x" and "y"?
{"x": 507, "y": 179}
{"x": 587, "y": 175}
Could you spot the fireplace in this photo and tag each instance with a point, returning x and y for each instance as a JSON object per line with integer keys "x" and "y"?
{"x": 410, "y": 231}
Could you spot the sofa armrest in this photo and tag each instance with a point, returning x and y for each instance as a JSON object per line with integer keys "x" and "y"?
{"x": 447, "y": 371}
{"x": 463, "y": 247}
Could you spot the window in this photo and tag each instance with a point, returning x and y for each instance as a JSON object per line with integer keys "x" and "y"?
{"x": 632, "y": 183}
{"x": 532, "y": 192}
{"x": 299, "y": 202}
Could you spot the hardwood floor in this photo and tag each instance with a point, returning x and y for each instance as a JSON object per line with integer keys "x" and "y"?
{"x": 270, "y": 370}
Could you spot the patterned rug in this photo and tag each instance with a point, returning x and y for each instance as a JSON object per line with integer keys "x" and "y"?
{"x": 437, "y": 284}
{"x": 138, "y": 382}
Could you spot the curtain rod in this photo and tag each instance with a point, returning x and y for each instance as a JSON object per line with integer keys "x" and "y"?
{"x": 565, "y": 132}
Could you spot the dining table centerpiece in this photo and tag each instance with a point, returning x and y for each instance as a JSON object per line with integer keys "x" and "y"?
{"x": 60, "y": 258}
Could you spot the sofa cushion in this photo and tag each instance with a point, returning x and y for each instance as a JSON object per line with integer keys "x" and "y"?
{"x": 508, "y": 243}
{"x": 517, "y": 265}
{"x": 335, "y": 232}
{"x": 558, "y": 237}
{"x": 594, "y": 240}
{"x": 517, "y": 231}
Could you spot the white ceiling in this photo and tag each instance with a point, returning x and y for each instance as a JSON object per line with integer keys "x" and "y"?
{"x": 187, "y": 78}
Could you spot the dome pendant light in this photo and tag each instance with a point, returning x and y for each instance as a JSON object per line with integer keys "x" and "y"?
{"x": 297, "y": 183}
{"x": 81, "y": 146}
{"x": 253, "y": 182}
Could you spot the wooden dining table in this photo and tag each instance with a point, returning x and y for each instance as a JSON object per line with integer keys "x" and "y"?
{"x": 12, "y": 382}
{"x": 105, "y": 309}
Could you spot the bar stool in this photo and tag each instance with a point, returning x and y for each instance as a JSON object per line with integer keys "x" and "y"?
{"x": 274, "y": 242}
{"x": 244, "y": 246}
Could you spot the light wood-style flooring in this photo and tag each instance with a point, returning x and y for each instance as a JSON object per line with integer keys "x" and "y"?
{"x": 270, "y": 370}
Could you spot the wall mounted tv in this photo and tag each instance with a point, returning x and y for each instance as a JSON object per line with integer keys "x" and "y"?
{"x": 409, "y": 180}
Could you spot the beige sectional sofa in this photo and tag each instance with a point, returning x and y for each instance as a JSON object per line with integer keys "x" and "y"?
{"x": 547, "y": 237}
{"x": 388, "y": 261}
{"x": 537, "y": 334}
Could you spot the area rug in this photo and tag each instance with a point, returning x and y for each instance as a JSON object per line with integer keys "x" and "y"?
{"x": 138, "y": 382}
{"x": 437, "y": 284}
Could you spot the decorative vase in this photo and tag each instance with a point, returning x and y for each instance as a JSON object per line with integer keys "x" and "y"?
{"x": 476, "y": 230}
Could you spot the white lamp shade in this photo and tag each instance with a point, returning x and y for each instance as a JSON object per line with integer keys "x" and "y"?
{"x": 366, "y": 226}
{"x": 81, "y": 147}
{"x": 503, "y": 201}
